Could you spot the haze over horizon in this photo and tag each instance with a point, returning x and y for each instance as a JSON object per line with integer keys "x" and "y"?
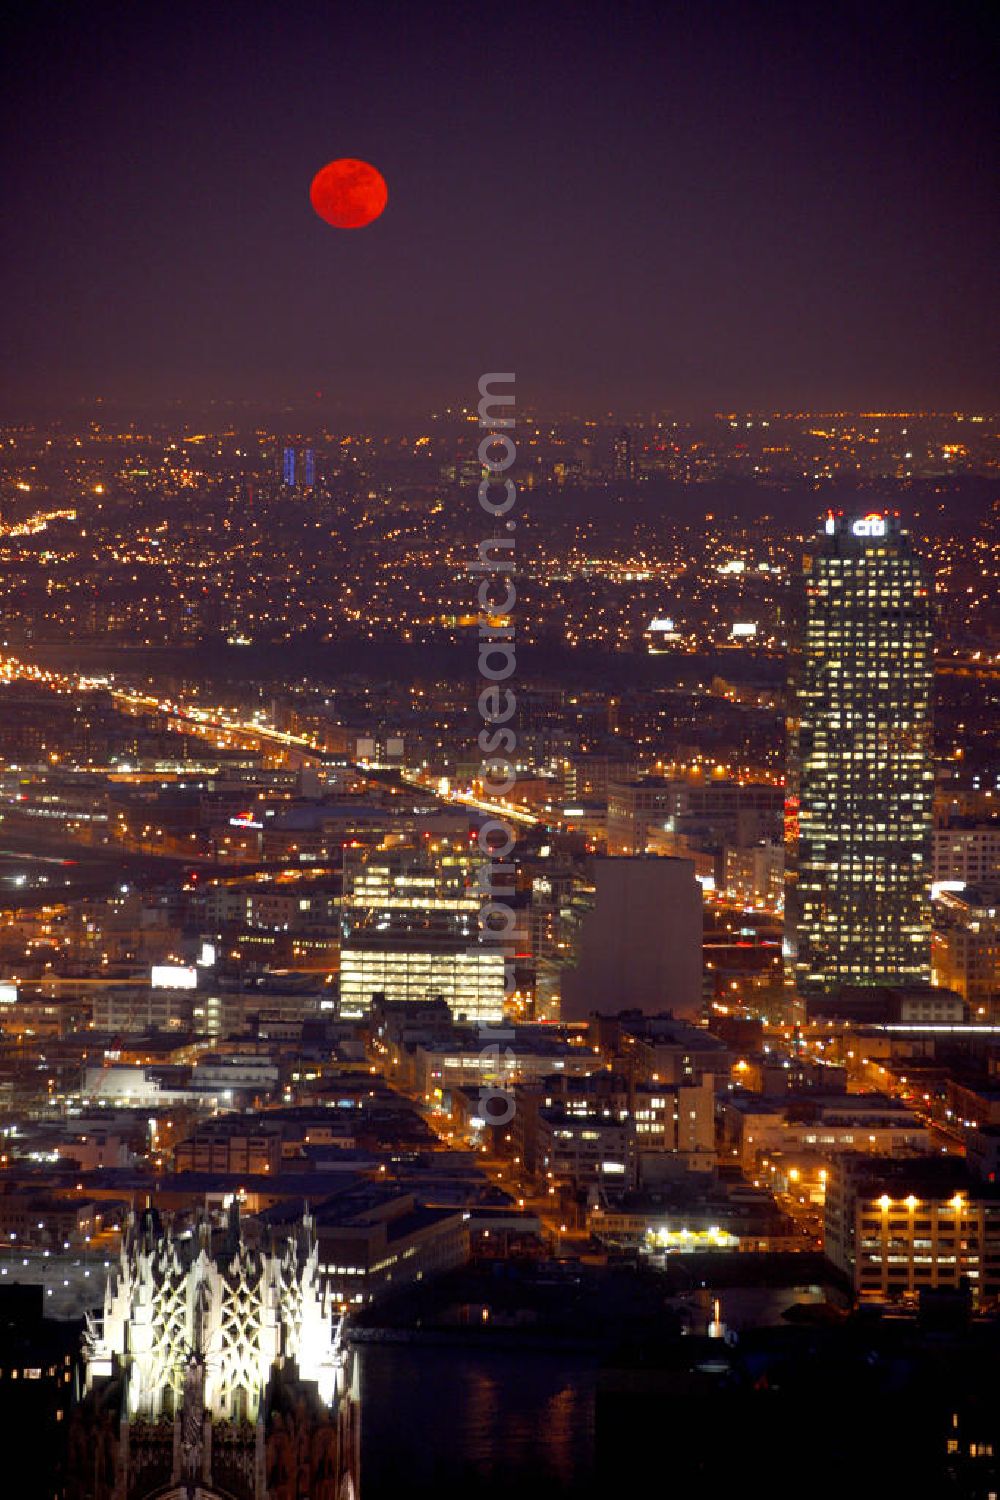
{"x": 661, "y": 208}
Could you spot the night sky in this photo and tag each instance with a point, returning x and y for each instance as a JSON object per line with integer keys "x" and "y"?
{"x": 697, "y": 206}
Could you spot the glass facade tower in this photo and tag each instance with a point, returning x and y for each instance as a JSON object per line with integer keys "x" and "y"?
{"x": 410, "y": 932}
{"x": 861, "y": 775}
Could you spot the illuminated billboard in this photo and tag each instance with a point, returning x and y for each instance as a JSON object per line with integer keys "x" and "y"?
{"x": 173, "y": 977}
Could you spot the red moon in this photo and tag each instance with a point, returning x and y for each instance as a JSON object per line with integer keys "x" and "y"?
{"x": 348, "y": 194}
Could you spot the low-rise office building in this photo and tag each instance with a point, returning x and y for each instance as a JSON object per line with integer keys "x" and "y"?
{"x": 681, "y": 1222}
{"x": 584, "y": 1150}
{"x": 517, "y": 1055}
{"x": 230, "y": 1145}
{"x": 660, "y": 1047}
{"x": 755, "y": 1126}
{"x": 965, "y": 953}
{"x": 966, "y": 852}
{"x": 374, "y": 1240}
{"x": 899, "y": 1227}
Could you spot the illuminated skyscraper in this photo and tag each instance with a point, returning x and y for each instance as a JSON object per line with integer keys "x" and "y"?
{"x": 288, "y": 466}
{"x": 861, "y": 776}
{"x": 308, "y": 468}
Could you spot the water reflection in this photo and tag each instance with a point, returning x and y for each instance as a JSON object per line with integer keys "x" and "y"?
{"x": 437, "y": 1419}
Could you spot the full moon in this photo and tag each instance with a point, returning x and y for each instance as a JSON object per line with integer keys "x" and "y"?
{"x": 348, "y": 194}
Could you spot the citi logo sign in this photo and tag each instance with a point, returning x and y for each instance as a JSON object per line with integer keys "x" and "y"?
{"x": 869, "y": 526}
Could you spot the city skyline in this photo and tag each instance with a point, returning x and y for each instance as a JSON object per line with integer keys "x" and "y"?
{"x": 499, "y": 772}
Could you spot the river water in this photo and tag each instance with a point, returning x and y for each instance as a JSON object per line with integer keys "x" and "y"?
{"x": 439, "y": 1421}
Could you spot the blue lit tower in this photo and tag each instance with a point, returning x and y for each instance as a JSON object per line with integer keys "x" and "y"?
{"x": 288, "y": 466}
{"x": 623, "y": 456}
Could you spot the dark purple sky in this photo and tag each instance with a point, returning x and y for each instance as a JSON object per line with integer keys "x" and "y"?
{"x": 685, "y": 205}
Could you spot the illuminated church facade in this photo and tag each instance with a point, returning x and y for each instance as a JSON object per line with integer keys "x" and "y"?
{"x": 217, "y": 1372}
